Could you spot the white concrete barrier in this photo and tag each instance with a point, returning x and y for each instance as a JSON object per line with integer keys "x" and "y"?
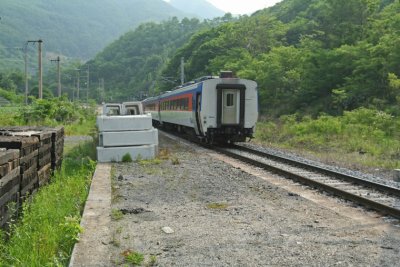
{"x": 121, "y": 134}
{"x": 124, "y": 123}
{"x": 115, "y": 154}
{"x": 128, "y": 138}
{"x": 112, "y": 109}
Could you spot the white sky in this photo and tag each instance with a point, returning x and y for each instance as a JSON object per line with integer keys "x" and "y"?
{"x": 242, "y": 6}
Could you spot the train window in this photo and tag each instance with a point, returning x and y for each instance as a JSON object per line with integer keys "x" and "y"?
{"x": 229, "y": 100}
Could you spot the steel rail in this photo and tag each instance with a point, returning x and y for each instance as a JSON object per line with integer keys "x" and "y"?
{"x": 349, "y": 178}
{"x": 302, "y": 179}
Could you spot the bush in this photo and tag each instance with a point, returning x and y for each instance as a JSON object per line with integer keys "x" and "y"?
{"x": 365, "y": 131}
{"x": 127, "y": 158}
{"x": 11, "y": 96}
{"x": 52, "y": 111}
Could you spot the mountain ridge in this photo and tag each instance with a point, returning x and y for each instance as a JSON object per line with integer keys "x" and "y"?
{"x": 201, "y": 8}
{"x": 65, "y": 25}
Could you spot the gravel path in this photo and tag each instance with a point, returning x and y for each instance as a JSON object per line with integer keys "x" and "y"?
{"x": 223, "y": 216}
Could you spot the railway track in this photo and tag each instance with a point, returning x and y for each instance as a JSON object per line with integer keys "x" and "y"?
{"x": 379, "y": 197}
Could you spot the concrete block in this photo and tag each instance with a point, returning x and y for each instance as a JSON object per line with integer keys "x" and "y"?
{"x": 132, "y": 108}
{"x": 115, "y": 154}
{"x": 124, "y": 123}
{"x": 128, "y": 138}
{"x": 396, "y": 175}
{"x": 112, "y": 109}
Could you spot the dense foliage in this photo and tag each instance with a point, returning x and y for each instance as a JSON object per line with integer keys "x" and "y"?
{"x": 73, "y": 28}
{"x": 307, "y": 56}
{"x": 53, "y": 111}
{"x": 78, "y": 119}
{"x": 365, "y": 136}
{"x": 131, "y": 66}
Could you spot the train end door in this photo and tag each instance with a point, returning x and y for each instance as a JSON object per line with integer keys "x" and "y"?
{"x": 230, "y": 105}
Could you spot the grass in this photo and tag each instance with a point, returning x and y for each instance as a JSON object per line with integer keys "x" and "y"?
{"x": 364, "y": 137}
{"x": 152, "y": 261}
{"x": 49, "y": 225}
{"x": 77, "y": 119}
{"x": 127, "y": 158}
{"x": 175, "y": 161}
{"x": 116, "y": 215}
{"x": 133, "y": 257}
{"x": 82, "y": 127}
{"x": 217, "y": 206}
{"x": 8, "y": 116}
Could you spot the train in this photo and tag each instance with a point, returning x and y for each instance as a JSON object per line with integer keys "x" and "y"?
{"x": 214, "y": 109}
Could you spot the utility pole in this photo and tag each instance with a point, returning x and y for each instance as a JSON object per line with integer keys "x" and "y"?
{"x": 26, "y": 71}
{"x": 26, "y": 68}
{"x": 73, "y": 89}
{"x": 40, "y": 70}
{"x": 101, "y": 89}
{"x": 58, "y": 74}
{"x": 182, "y": 70}
{"x": 77, "y": 85}
{"x": 87, "y": 90}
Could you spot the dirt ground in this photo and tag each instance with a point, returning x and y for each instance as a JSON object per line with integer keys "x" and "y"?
{"x": 197, "y": 208}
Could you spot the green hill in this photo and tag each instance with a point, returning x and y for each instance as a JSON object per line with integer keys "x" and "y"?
{"x": 200, "y": 8}
{"x": 74, "y": 28}
{"x": 131, "y": 66}
{"x": 308, "y": 56}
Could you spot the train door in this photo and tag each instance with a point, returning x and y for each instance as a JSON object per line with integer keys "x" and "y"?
{"x": 230, "y": 106}
{"x": 159, "y": 111}
{"x": 198, "y": 114}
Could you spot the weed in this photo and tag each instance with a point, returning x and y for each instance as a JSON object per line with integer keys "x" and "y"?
{"x": 115, "y": 241}
{"x": 217, "y": 206}
{"x": 175, "y": 161}
{"x": 152, "y": 261}
{"x": 132, "y": 257}
{"x": 369, "y": 134}
{"x": 116, "y": 214}
{"x": 127, "y": 158}
{"x": 139, "y": 158}
{"x": 113, "y": 172}
{"x": 148, "y": 162}
{"x": 164, "y": 154}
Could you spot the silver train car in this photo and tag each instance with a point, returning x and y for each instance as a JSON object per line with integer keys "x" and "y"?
{"x": 216, "y": 109}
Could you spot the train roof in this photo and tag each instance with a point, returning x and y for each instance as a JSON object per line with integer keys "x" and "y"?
{"x": 223, "y": 75}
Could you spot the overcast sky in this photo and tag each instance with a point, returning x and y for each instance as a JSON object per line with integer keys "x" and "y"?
{"x": 242, "y": 6}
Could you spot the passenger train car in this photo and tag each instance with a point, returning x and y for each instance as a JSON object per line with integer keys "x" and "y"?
{"x": 216, "y": 109}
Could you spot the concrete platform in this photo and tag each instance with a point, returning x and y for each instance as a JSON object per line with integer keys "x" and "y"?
{"x": 115, "y": 154}
{"x": 128, "y": 138}
{"x": 124, "y": 123}
{"x": 92, "y": 250}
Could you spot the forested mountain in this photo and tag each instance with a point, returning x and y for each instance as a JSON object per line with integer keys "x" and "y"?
{"x": 74, "y": 28}
{"x": 131, "y": 66}
{"x": 308, "y": 56}
{"x": 200, "y": 8}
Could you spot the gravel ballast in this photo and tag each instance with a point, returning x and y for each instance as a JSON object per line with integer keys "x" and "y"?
{"x": 191, "y": 209}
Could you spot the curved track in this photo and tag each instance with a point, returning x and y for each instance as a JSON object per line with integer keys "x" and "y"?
{"x": 382, "y": 198}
